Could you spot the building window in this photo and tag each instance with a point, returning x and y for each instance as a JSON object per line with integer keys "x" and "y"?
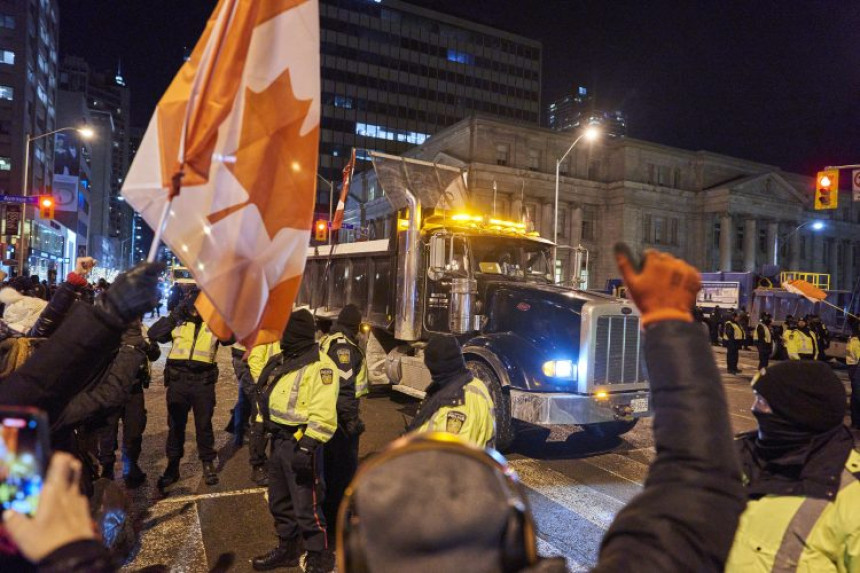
{"x": 382, "y": 132}
{"x": 676, "y": 178}
{"x": 534, "y": 160}
{"x": 589, "y": 217}
{"x": 717, "y": 235}
{"x": 6, "y": 92}
{"x": 531, "y": 215}
{"x": 564, "y": 166}
{"x": 501, "y": 154}
{"x": 5, "y": 164}
{"x": 7, "y": 57}
{"x": 461, "y": 57}
{"x": 342, "y": 101}
{"x": 762, "y": 240}
{"x": 562, "y": 223}
{"x": 660, "y": 230}
{"x": 7, "y": 21}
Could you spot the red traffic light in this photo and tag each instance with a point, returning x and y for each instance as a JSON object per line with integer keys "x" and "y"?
{"x": 47, "y": 202}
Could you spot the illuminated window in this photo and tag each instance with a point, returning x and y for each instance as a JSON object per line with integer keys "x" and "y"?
{"x": 6, "y": 92}
{"x": 461, "y": 57}
{"x": 344, "y": 102}
{"x": 7, "y": 57}
{"x": 382, "y": 132}
{"x": 5, "y": 164}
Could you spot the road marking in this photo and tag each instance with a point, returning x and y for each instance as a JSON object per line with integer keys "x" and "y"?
{"x": 742, "y": 416}
{"x": 588, "y": 503}
{"x": 198, "y": 497}
{"x": 547, "y": 549}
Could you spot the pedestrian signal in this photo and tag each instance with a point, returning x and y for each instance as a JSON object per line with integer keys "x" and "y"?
{"x": 321, "y": 229}
{"x": 827, "y": 189}
{"x": 46, "y": 206}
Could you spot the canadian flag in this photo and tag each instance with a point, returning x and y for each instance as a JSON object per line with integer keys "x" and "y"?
{"x": 240, "y": 123}
{"x": 344, "y": 192}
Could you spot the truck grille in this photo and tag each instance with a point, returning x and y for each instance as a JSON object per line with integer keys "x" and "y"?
{"x": 617, "y": 351}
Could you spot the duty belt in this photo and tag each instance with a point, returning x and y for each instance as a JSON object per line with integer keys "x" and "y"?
{"x": 291, "y": 433}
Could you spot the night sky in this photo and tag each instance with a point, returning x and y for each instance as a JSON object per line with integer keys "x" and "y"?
{"x": 774, "y": 81}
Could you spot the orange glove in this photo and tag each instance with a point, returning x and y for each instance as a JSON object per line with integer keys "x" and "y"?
{"x": 664, "y": 288}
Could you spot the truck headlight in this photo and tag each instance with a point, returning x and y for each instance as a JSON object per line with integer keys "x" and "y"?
{"x": 559, "y": 369}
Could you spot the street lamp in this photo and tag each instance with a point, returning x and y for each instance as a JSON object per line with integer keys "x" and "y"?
{"x": 86, "y": 133}
{"x": 814, "y": 225}
{"x": 590, "y": 134}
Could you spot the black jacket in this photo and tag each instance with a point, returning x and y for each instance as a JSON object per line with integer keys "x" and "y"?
{"x": 65, "y": 364}
{"x": 686, "y": 516}
{"x": 54, "y": 314}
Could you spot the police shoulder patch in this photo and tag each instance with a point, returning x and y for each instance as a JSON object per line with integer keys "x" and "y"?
{"x": 343, "y": 355}
{"x": 327, "y": 375}
{"x": 454, "y": 422}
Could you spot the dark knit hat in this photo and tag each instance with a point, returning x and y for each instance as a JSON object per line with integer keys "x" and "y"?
{"x": 349, "y": 317}
{"x": 806, "y": 393}
{"x": 443, "y": 356}
{"x": 301, "y": 324}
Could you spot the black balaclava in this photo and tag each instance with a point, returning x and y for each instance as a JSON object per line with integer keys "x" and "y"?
{"x": 349, "y": 320}
{"x": 300, "y": 333}
{"x": 444, "y": 359}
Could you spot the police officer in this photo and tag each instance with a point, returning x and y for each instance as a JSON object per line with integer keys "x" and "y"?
{"x": 822, "y": 336}
{"x": 852, "y": 359}
{"x": 763, "y": 337}
{"x": 257, "y": 436}
{"x": 190, "y": 376}
{"x": 456, "y": 401}
{"x": 299, "y": 407}
{"x": 801, "y": 471}
{"x": 341, "y": 452}
{"x": 800, "y": 342}
{"x": 733, "y": 337}
{"x": 133, "y": 412}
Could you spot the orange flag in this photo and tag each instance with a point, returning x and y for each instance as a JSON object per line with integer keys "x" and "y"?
{"x": 240, "y": 121}
{"x": 344, "y": 191}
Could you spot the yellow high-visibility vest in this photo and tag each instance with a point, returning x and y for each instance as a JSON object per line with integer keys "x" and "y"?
{"x": 473, "y": 421}
{"x": 738, "y": 331}
{"x": 361, "y": 387}
{"x": 767, "y": 333}
{"x": 852, "y": 356}
{"x": 307, "y": 397}
{"x": 186, "y": 346}
{"x": 798, "y": 342}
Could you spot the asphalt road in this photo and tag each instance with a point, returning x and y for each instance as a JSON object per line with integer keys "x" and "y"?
{"x": 575, "y": 484}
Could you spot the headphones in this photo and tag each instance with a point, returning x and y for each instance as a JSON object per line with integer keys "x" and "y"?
{"x": 519, "y": 542}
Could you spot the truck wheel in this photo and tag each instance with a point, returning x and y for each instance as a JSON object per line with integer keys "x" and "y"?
{"x": 606, "y": 430}
{"x": 501, "y": 400}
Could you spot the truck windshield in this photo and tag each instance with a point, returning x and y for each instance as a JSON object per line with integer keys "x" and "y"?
{"x": 510, "y": 257}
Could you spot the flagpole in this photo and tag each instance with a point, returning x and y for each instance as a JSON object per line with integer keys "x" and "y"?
{"x": 175, "y": 187}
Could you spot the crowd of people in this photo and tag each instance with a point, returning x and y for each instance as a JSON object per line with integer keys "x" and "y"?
{"x": 783, "y": 497}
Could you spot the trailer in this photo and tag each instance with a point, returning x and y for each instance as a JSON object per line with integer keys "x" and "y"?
{"x": 551, "y": 355}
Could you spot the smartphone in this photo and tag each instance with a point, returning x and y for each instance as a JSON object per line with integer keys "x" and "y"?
{"x": 24, "y": 452}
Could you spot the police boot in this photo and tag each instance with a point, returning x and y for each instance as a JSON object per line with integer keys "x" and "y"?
{"x": 170, "y": 476}
{"x": 286, "y": 554}
{"x": 259, "y": 475}
{"x": 210, "y": 476}
{"x": 319, "y": 562}
{"x": 134, "y": 476}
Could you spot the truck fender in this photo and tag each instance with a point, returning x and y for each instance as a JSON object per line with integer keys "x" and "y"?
{"x": 492, "y": 360}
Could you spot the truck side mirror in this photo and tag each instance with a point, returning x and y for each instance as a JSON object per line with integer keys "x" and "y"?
{"x": 438, "y": 256}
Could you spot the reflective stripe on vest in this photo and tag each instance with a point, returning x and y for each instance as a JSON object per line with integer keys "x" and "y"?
{"x": 186, "y": 346}
{"x": 286, "y": 414}
{"x": 767, "y": 333}
{"x": 793, "y": 542}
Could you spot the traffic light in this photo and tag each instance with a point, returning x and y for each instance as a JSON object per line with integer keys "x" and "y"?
{"x": 321, "y": 229}
{"x": 46, "y": 206}
{"x": 827, "y": 189}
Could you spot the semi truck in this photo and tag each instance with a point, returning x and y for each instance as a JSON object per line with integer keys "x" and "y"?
{"x": 550, "y": 355}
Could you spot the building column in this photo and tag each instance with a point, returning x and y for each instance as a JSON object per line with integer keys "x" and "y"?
{"x": 795, "y": 257}
{"x": 726, "y": 231}
{"x": 773, "y": 245}
{"x": 575, "y": 225}
{"x": 546, "y": 220}
{"x": 749, "y": 245}
{"x": 818, "y": 262}
{"x": 850, "y": 279}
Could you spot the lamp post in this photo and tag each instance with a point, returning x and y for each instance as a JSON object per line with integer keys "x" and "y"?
{"x": 814, "y": 225}
{"x": 590, "y": 134}
{"x": 86, "y": 133}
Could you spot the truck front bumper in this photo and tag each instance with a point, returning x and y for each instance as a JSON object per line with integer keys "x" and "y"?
{"x": 549, "y": 409}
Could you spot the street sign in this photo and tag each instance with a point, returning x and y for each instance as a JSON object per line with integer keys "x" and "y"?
{"x": 855, "y": 184}
{"x": 13, "y": 219}
{"x": 32, "y": 200}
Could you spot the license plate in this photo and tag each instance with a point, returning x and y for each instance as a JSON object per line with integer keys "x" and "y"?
{"x": 639, "y": 405}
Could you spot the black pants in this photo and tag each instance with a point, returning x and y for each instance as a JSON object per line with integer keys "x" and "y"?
{"x": 187, "y": 392}
{"x": 854, "y": 372}
{"x": 340, "y": 455}
{"x": 133, "y": 416}
{"x": 295, "y": 503}
{"x": 242, "y": 409}
{"x": 257, "y": 437}
{"x": 732, "y": 348}
{"x": 764, "y": 352}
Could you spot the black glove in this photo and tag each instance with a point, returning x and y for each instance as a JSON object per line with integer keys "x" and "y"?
{"x": 134, "y": 292}
{"x": 303, "y": 461}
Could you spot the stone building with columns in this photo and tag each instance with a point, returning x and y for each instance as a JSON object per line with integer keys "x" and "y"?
{"x": 720, "y": 213}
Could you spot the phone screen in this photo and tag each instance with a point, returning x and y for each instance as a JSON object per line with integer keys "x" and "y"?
{"x": 23, "y": 458}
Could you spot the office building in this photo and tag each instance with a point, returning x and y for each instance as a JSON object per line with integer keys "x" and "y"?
{"x": 394, "y": 73}
{"x": 578, "y": 109}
